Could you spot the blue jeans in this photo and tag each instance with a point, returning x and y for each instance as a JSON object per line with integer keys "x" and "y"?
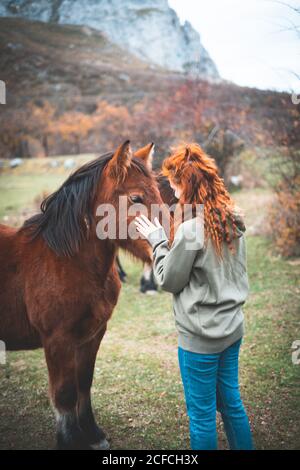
{"x": 211, "y": 383}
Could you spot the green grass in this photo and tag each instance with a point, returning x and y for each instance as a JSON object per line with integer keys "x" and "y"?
{"x": 18, "y": 192}
{"x": 137, "y": 391}
{"x": 20, "y": 186}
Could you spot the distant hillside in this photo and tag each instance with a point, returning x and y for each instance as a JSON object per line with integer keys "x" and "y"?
{"x": 67, "y": 62}
{"x": 71, "y": 90}
{"x": 149, "y": 29}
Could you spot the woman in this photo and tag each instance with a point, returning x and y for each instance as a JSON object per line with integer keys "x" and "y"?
{"x": 208, "y": 279}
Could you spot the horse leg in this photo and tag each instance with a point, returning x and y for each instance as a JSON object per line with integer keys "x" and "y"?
{"x": 86, "y": 356}
{"x": 147, "y": 283}
{"x": 61, "y": 361}
{"x": 121, "y": 272}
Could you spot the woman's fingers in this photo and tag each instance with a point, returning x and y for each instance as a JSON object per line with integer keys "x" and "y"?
{"x": 145, "y": 226}
{"x": 143, "y": 216}
{"x": 139, "y": 225}
{"x": 142, "y": 222}
{"x": 141, "y": 228}
{"x": 146, "y": 220}
{"x": 141, "y": 231}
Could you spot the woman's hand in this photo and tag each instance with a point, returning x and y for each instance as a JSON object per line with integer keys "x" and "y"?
{"x": 145, "y": 226}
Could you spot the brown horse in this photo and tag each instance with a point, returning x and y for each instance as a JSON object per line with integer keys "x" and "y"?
{"x": 59, "y": 283}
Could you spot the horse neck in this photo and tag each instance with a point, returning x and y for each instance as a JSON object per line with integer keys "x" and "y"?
{"x": 97, "y": 255}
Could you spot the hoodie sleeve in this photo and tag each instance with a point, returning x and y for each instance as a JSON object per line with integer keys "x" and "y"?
{"x": 172, "y": 266}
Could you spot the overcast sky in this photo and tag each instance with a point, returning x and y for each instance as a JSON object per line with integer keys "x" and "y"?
{"x": 252, "y": 42}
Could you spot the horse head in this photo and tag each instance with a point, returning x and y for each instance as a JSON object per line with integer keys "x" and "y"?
{"x": 128, "y": 188}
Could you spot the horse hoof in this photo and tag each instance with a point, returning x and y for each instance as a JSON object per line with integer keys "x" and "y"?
{"x": 102, "y": 445}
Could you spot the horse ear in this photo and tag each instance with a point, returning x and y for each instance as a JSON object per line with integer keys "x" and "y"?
{"x": 146, "y": 154}
{"x": 120, "y": 162}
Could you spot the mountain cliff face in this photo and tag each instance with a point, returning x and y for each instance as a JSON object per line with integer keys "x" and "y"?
{"x": 150, "y": 29}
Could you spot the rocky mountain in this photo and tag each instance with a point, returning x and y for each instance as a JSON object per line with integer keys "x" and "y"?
{"x": 149, "y": 29}
{"x": 72, "y": 67}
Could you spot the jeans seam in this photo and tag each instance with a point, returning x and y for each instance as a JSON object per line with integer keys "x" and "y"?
{"x": 222, "y": 403}
{"x": 186, "y": 378}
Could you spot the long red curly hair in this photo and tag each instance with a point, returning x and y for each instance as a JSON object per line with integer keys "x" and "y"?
{"x": 197, "y": 176}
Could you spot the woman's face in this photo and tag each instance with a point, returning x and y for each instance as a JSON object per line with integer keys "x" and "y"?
{"x": 177, "y": 190}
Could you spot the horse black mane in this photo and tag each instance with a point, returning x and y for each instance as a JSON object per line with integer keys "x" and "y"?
{"x": 66, "y": 213}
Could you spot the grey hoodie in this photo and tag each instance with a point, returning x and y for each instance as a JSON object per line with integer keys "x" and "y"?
{"x": 207, "y": 293}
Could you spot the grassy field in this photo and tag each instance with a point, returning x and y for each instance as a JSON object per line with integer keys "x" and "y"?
{"x": 137, "y": 392}
{"x": 20, "y": 186}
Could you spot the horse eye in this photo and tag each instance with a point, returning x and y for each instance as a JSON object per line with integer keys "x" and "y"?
{"x": 136, "y": 198}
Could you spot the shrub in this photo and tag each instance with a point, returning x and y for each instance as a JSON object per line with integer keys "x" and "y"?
{"x": 285, "y": 212}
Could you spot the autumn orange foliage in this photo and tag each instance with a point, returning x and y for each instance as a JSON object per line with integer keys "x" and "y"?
{"x": 284, "y": 214}
{"x": 187, "y": 110}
